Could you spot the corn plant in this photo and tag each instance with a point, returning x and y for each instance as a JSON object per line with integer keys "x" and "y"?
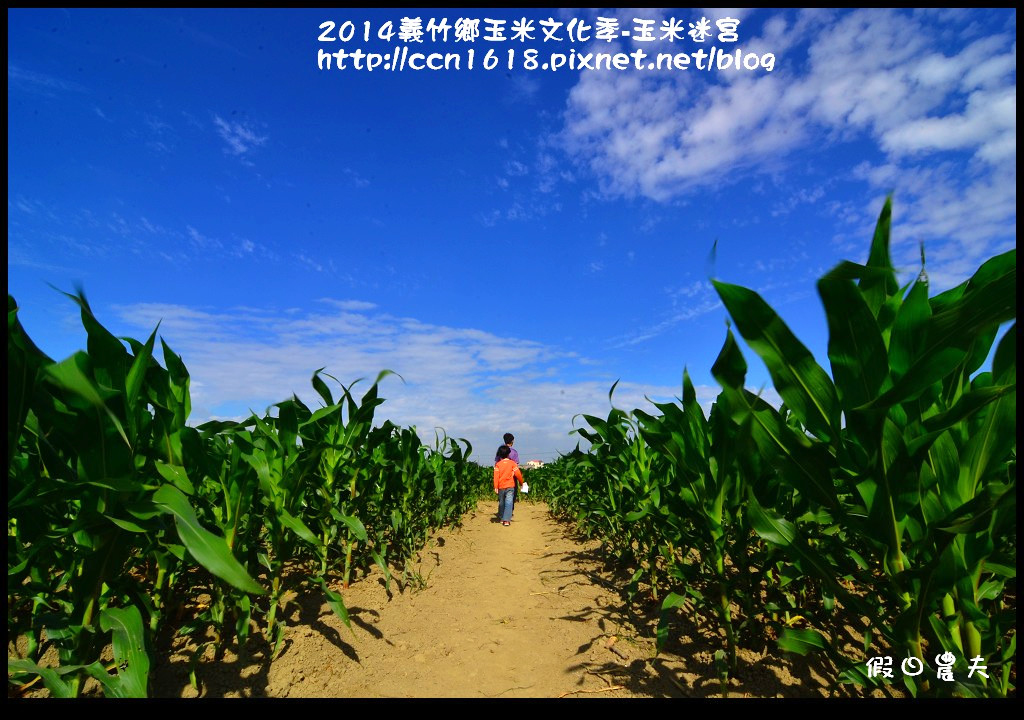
{"x": 883, "y": 490}
{"x": 93, "y": 504}
{"x": 112, "y": 497}
{"x": 920, "y": 474}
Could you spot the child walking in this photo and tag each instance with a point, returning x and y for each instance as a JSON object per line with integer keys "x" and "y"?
{"x": 513, "y": 455}
{"x": 506, "y": 472}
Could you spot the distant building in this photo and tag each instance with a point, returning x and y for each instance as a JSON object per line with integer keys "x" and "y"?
{"x": 533, "y": 464}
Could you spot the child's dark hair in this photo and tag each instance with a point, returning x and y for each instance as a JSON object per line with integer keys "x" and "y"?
{"x": 509, "y": 438}
{"x": 503, "y": 452}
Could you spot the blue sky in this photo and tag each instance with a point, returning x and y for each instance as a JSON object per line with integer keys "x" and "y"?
{"x": 510, "y": 241}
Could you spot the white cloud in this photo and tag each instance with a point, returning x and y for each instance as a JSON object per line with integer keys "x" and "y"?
{"x": 354, "y": 305}
{"x": 869, "y": 71}
{"x": 355, "y": 179}
{"x": 886, "y": 76}
{"x": 490, "y": 218}
{"x": 471, "y": 382}
{"x": 40, "y": 82}
{"x": 201, "y": 242}
{"x": 240, "y": 137}
{"x": 309, "y": 262}
{"x": 514, "y": 168}
{"x": 694, "y": 310}
{"x": 988, "y": 124}
{"x": 961, "y": 224}
{"x": 697, "y": 287}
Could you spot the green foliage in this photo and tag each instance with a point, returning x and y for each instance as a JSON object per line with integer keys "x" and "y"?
{"x": 882, "y": 493}
{"x": 119, "y": 511}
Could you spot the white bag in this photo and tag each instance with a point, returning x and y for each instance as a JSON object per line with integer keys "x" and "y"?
{"x": 525, "y": 488}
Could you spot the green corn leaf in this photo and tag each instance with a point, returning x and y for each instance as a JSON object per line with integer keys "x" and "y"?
{"x": 730, "y": 369}
{"x": 965, "y": 408}
{"x": 258, "y": 460}
{"x": 51, "y": 678}
{"x": 911, "y": 684}
{"x": 909, "y": 332}
{"x": 24, "y": 362}
{"x": 325, "y": 412}
{"x": 671, "y": 601}
{"x": 993, "y": 443}
{"x": 130, "y": 654}
{"x": 857, "y": 558}
{"x": 991, "y": 590}
{"x": 244, "y": 606}
{"x": 321, "y": 388}
{"x": 379, "y": 559}
{"x": 1010, "y": 650}
{"x": 127, "y": 525}
{"x": 689, "y": 393}
{"x": 356, "y": 527}
{"x": 994, "y": 270}
{"x": 178, "y": 384}
{"x": 846, "y": 270}
{"x": 108, "y": 354}
{"x": 215, "y": 427}
{"x": 878, "y": 287}
{"x": 299, "y": 528}
{"x": 801, "y": 641}
{"x": 974, "y": 516}
{"x": 72, "y": 375}
{"x": 769, "y": 525}
{"x": 287, "y": 425}
{"x": 1006, "y": 354}
{"x": 855, "y": 346}
{"x": 801, "y": 382}
{"x": 978, "y": 352}
{"x": 336, "y": 603}
{"x": 268, "y": 432}
{"x": 952, "y": 330}
{"x": 941, "y": 466}
{"x": 176, "y": 475}
{"x": 137, "y": 373}
{"x": 209, "y": 550}
{"x": 176, "y": 550}
{"x": 1001, "y": 568}
{"x": 941, "y": 630}
{"x": 803, "y": 465}
{"x": 774, "y": 528}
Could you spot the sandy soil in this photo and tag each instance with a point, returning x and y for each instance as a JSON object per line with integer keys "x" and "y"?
{"x": 520, "y": 611}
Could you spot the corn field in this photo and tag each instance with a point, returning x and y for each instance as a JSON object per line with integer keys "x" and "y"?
{"x": 882, "y": 495}
{"x": 120, "y": 514}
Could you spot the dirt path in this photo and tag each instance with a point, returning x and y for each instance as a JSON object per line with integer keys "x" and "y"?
{"x": 519, "y": 611}
{"x": 505, "y": 612}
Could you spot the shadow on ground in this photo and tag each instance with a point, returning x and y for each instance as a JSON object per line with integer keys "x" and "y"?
{"x": 686, "y": 666}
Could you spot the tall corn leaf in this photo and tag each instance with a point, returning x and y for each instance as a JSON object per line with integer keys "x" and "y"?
{"x": 209, "y": 550}
{"x": 855, "y": 346}
{"x": 24, "y": 362}
{"x": 801, "y": 382}
{"x": 990, "y": 299}
{"x": 877, "y": 288}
